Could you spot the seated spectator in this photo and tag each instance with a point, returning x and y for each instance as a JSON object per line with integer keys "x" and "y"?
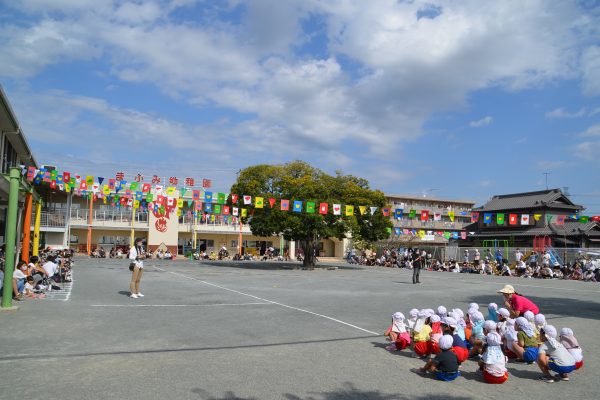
{"x": 168, "y": 255}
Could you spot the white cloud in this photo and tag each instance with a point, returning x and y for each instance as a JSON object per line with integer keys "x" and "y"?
{"x": 562, "y": 113}
{"x": 485, "y": 121}
{"x": 408, "y": 67}
{"x": 588, "y": 150}
{"x": 590, "y": 63}
{"x": 593, "y": 130}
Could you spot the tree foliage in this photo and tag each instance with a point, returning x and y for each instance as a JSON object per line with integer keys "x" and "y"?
{"x": 298, "y": 180}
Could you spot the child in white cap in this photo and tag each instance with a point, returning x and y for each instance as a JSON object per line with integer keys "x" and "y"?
{"x": 398, "y": 333}
{"x": 445, "y": 364}
{"x": 567, "y": 338}
{"x": 554, "y": 357}
{"x": 422, "y": 335}
{"x": 493, "y": 360}
{"x": 526, "y": 347}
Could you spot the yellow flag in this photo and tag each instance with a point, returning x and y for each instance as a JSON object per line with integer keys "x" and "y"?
{"x": 179, "y": 212}
{"x": 179, "y": 203}
{"x": 106, "y": 189}
{"x": 67, "y": 188}
{"x": 104, "y": 199}
{"x": 349, "y": 211}
{"x": 451, "y": 215}
{"x": 136, "y": 204}
{"x": 244, "y": 212}
{"x": 362, "y": 209}
{"x": 259, "y": 202}
{"x": 421, "y": 233}
{"x": 170, "y": 191}
{"x": 537, "y": 217}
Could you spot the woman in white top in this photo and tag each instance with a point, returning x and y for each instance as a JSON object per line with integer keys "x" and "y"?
{"x": 136, "y": 255}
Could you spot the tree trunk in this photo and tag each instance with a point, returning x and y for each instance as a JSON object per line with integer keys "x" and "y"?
{"x": 308, "y": 247}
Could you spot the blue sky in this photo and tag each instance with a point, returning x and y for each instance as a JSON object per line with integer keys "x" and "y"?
{"x": 445, "y": 98}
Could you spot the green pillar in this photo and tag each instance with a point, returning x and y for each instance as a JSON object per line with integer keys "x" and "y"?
{"x": 11, "y": 236}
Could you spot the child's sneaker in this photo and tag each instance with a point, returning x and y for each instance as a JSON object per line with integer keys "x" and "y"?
{"x": 391, "y": 347}
{"x": 547, "y": 379}
{"x": 559, "y": 377}
{"x": 140, "y": 295}
{"x": 133, "y": 296}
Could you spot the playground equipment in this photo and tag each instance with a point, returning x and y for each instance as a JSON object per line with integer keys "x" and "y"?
{"x": 497, "y": 244}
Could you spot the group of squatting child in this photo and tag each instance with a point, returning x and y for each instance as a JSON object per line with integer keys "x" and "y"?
{"x": 451, "y": 338}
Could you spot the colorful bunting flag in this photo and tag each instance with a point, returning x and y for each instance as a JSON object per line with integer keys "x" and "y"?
{"x": 373, "y": 209}
{"x": 244, "y": 212}
{"x": 386, "y": 212}
{"x": 247, "y": 200}
{"x": 398, "y": 213}
{"x": 337, "y": 209}
{"x": 310, "y": 207}
{"x": 437, "y": 216}
{"x": 560, "y": 219}
{"x": 235, "y": 211}
{"x": 234, "y": 198}
{"x": 297, "y": 206}
{"x": 500, "y": 219}
{"x": 259, "y": 202}
{"x": 487, "y": 218}
{"x": 512, "y": 219}
{"x": 362, "y": 210}
{"x": 451, "y": 215}
{"x": 537, "y": 217}
{"x": 225, "y": 210}
{"x": 323, "y": 208}
{"x": 208, "y": 197}
{"x": 271, "y": 202}
{"x": 349, "y": 211}
{"x": 424, "y": 215}
{"x": 584, "y": 219}
{"x": 525, "y": 219}
{"x": 217, "y": 208}
{"x": 474, "y": 217}
{"x": 412, "y": 214}
{"x": 221, "y": 198}
{"x": 285, "y": 205}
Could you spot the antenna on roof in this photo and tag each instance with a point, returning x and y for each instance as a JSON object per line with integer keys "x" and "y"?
{"x": 547, "y": 173}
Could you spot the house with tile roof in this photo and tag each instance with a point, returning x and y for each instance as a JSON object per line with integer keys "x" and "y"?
{"x": 526, "y": 218}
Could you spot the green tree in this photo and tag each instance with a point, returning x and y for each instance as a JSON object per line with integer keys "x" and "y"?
{"x": 298, "y": 180}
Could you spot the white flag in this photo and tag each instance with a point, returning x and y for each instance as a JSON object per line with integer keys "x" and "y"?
{"x": 373, "y": 209}
{"x": 437, "y": 216}
{"x": 247, "y": 199}
{"x": 525, "y": 219}
{"x": 235, "y": 211}
{"x": 337, "y": 209}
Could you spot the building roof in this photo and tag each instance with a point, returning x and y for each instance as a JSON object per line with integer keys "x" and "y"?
{"x": 553, "y": 198}
{"x": 571, "y": 228}
{"x": 431, "y": 199}
{"x": 11, "y": 127}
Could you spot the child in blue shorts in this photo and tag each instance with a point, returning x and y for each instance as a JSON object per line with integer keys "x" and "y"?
{"x": 553, "y": 356}
{"x": 445, "y": 364}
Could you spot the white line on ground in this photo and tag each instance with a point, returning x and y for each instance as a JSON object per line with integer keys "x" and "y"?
{"x": 271, "y": 301}
{"x": 177, "y": 305}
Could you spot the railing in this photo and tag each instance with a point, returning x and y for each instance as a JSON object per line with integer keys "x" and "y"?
{"x": 415, "y": 224}
{"x": 52, "y": 220}
{"x": 117, "y": 216}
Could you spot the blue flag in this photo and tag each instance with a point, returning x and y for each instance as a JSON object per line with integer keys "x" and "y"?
{"x": 487, "y": 218}
{"x": 398, "y": 213}
{"x": 297, "y": 206}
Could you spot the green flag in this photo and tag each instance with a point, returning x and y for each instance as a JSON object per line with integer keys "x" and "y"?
{"x": 584, "y": 219}
{"x": 413, "y": 213}
{"x": 149, "y": 197}
{"x": 500, "y": 219}
{"x": 133, "y": 186}
{"x": 221, "y": 198}
{"x": 217, "y": 209}
{"x": 310, "y": 207}
{"x": 388, "y": 230}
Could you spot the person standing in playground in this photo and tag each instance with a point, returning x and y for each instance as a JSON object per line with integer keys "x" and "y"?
{"x": 136, "y": 255}
{"x": 417, "y": 264}
{"x": 499, "y": 257}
